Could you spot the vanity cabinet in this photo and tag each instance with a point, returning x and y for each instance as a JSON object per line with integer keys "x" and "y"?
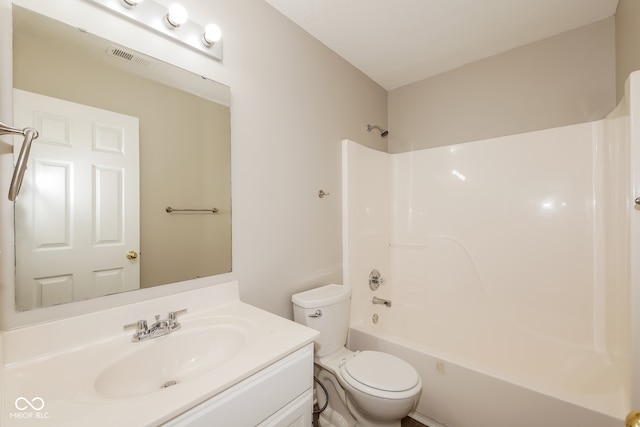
{"x": 280, "y": 395}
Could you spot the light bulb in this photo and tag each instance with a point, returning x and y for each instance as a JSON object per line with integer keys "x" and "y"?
{"x": 211, "y": 35}
{"x": 177, "y": 15}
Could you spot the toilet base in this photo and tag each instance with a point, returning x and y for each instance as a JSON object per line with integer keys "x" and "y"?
{"x": 367, "y": 422}
{"x": 341, "y": 411}
{"x": 332, "y": 419}
{"x": 336, "y": 414}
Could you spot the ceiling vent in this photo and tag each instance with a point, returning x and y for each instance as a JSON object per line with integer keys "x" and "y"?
{"x": 131, "y": 57}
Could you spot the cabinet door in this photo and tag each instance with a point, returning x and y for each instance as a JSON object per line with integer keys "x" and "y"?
{"x": 277, "y": 394}
{"x": 298, "y": 413}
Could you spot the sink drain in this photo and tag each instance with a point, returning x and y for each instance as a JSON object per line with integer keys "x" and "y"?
{"x": 169, "y": 384}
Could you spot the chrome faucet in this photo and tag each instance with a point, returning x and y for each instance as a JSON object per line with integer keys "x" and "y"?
{"x": 377, "y": 300}
{"x": 157, "y": 329}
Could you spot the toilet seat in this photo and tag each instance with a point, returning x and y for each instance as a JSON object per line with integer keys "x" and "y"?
{"x": 380, "y": 374}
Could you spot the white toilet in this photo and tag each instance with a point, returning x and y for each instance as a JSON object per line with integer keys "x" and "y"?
{"x": 367, "y": 388}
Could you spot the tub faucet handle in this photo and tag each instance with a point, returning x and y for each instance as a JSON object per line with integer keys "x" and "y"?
{"x": 375, "y": 279}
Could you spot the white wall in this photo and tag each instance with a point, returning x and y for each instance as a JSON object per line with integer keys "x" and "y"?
{"x": 517, "y": 212}
{"x": 366, "y": 220}
{"x": 510, "y": 219}
{"x": 293, "y": 101}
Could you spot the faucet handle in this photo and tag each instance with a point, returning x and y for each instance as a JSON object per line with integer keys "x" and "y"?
{"x": 140, "y": 325}
{"x": 172, "y": 317}
{"x": 174, "y": 314}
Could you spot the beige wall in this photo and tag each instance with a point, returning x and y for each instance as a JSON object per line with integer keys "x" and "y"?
{"x": 293, "y": 102}
{"x": 562, "y": 80}
{"x": 627, "y": 42}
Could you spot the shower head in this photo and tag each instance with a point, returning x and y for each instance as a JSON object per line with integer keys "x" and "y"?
{"x": 383, "y": 132}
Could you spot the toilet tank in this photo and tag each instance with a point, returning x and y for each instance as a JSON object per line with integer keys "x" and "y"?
{"x": 325, "y": 309}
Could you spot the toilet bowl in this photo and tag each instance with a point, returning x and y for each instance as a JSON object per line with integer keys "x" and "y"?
{"x": 373, "y": 388}
{"x": 380, "y": 389}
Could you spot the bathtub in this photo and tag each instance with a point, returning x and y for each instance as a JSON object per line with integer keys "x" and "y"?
{"x": 468, "y": 384}
{"x": 508, "y": 264}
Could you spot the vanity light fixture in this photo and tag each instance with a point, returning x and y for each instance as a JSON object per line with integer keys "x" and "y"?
{"x": 171, "y": 22}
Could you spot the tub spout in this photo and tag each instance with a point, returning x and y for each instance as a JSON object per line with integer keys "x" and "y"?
{"x": 377, "y": 300}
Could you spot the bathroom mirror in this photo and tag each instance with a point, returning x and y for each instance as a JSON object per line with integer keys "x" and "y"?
{"x": 63, "y": 75}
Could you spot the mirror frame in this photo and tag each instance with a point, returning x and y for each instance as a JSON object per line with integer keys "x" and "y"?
{"x": 99, "y": 22}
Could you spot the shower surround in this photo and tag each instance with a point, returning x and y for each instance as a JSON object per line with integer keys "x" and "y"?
{"x": 508, "y": 264}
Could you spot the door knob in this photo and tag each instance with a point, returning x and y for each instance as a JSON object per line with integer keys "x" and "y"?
{"x": 633, "y": 419}
{"x": 132, "y": 255}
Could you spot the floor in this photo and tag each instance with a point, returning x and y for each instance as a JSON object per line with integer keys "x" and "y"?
{"x": 410, "y": 422}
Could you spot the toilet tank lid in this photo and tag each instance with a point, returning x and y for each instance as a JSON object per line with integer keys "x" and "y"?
{"x": 322, "y": 296}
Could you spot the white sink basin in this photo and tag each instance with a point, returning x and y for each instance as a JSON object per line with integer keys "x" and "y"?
{"x": 88, "y": 372}
{"x": 169, "y": 360}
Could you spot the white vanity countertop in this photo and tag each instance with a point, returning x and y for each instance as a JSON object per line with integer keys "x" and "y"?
{"x": 56, "y": 386}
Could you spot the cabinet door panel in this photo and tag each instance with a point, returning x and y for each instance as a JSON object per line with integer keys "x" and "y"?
{"x": 284, "y": 386}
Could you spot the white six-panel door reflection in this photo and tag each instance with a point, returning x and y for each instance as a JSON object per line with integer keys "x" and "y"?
{"x": 77, "y": 215}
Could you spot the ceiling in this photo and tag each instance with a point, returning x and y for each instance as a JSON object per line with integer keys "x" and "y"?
{"x": 397, "y": 42}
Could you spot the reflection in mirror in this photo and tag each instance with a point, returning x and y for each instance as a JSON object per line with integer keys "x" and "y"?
{"x": 122, "y": 137}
